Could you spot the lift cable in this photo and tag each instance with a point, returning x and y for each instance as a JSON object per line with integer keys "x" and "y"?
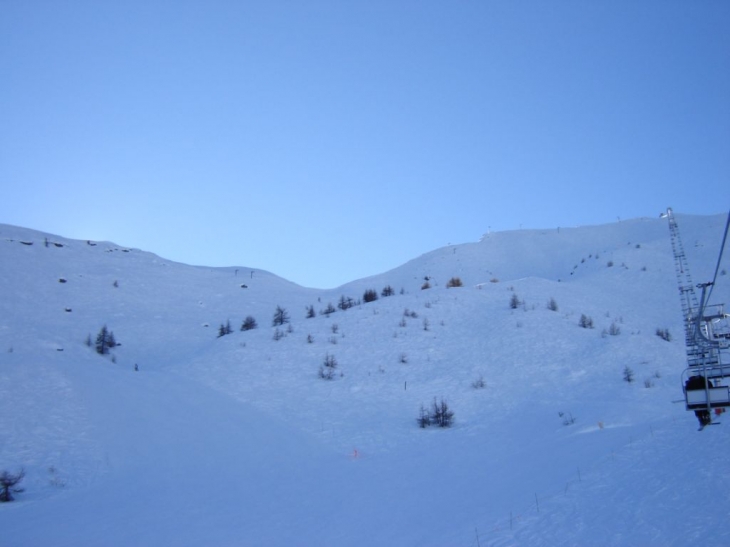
{"x": 719, "y": 259}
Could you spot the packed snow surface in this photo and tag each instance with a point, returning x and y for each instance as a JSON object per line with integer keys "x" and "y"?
{"x": 238, "y": 440}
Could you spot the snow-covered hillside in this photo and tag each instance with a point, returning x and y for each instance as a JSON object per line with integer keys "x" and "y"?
{"x": 237, "y": 440}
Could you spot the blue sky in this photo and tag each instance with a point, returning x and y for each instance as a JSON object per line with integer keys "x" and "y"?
{"x": 329, "y": 141}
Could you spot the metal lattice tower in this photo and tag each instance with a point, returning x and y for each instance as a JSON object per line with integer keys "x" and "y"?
{"x": 687, "y": 295}
{"x": 699, "y": 351}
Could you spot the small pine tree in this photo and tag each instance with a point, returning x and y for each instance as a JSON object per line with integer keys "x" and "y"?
{"x": 281, "y": 317}
{"x": 105, "y": 341}
{"x": 514, "y": 301}
{"x": 552, "y": 305}
{"x": 585, "y": 321}
{"x": 370, "y": 296}
{"x": 310, "y": 312}
{"x": 387, "y": 291}
{"x": 330, "y": 309}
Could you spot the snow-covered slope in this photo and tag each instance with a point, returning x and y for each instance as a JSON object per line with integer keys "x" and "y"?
{"x": 237, "y": 440}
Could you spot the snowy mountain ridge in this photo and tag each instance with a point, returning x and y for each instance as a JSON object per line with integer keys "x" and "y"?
{"x": 238, "y": 440}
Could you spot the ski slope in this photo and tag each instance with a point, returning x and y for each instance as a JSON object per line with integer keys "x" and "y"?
{"x": 236, "y": 440}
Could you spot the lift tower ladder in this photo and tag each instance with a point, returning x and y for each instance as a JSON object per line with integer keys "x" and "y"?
{"x": 686, "y": 287}
{"x": 687, "y": 296}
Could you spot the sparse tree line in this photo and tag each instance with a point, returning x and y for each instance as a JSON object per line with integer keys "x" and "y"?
{"x": 281, "y": 316}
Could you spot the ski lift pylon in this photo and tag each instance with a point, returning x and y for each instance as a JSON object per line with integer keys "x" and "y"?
{"x": 707, "y": 336}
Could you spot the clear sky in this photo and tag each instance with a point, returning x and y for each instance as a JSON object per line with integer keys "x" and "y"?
{"x": 327, "y": 141}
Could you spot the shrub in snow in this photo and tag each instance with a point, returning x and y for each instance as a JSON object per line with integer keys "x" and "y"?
{"x": 7, "y": 484}
{"x": 424, "y": 417}
{"x": 628, "y": 374}
{"x": 479, "y": 383}
{"x": 403, "y": 358}
{"x": 310, "y": 312}
{"x": 585, "y": 321}
{"x": 387, "y": 291}
{"x": 552, "y": 305}
{"x": 426, "y": 285}
{"x": 514, "y": 301}
{"x": 328, "y": 367}
{"x": 567, "y": 420}
{"x": 55, "y": 480}
{"x": 278, "y": 334}
{"x": 614, "y": 329}
{"x": 225, "y": 328}
{"x": 370, "y": 296}
{"x": 280, "y": 317}
{"x": 454, "y": 282}
{"x": 440, "y": 415}
{"x": 249, "y": 323}
{"x": 664, "y": 334}
{"x": 328, "y": 310}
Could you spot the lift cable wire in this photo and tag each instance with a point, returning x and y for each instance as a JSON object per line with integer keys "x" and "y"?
{"x": 719, "y": 259}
